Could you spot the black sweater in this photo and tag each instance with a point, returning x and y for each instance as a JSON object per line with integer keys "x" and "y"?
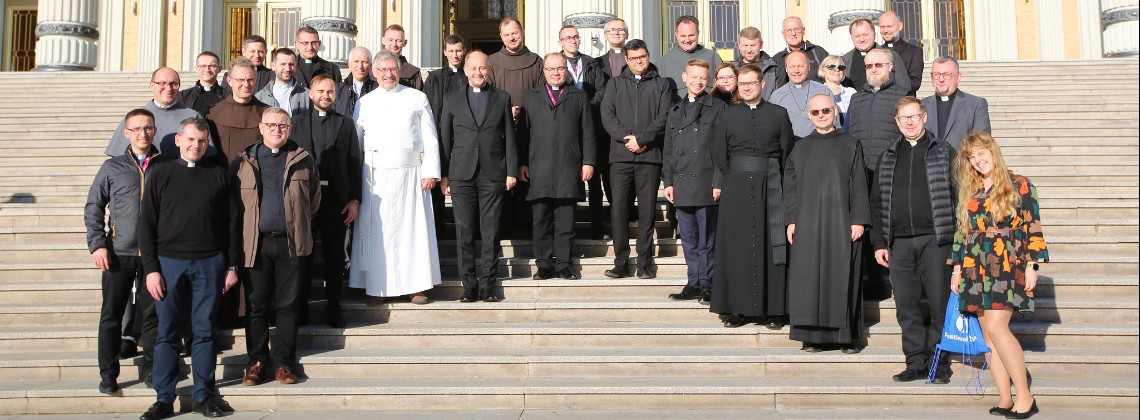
{"x": 185, "y": 213}
{"x": 912, "y": 215}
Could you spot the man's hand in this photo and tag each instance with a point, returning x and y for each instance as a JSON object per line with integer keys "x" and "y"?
{"x": 641, "y": 150}
{"x": 856, "y": 232}
{"x": 511, "y": 181}
{"x": 587, "y": 172}
{"x": 716, "y": 194}
{"x": 231, "y": 280}
{"x": 155, "y": 285}
{"x": 791, "y": 232}
{"x": 631, "y": 143}
{"x": 669, "y": 194}
{"x": 524, "y": 173}
{"x": 882, "y": 256}
{"x": 350, "y": 211}
{"x": 427, "y": 183}
{"x": 101, "y": 259}
{"x": 445, "y": 186}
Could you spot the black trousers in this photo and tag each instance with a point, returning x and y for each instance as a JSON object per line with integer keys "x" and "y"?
{"x": 273, "y": 287}
{"x": 553, "y": 232}
{"x": 125, "y": 274}
{"x": 477, "y": 203}
{"x": 599, "y": 186}
{"x": 629, "y": 180}
{"x": 328, "y": 225}
{"x": 438, "y": 203}
{"x": 918, "y": 267}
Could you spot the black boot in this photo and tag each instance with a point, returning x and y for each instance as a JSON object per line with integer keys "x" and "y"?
{"x": 687, "y": 293}
{"x": 469, "y": 295}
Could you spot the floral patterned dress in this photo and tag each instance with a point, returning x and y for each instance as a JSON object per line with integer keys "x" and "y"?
{"x": 994, "y": 256}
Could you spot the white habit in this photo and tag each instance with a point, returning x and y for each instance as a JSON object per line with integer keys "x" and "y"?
{"x": 394, "y": 250}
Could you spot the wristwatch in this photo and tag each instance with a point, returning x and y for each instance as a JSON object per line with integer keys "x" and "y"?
{"x": 233, "y": 268}
{"x": 1033, "y": 265}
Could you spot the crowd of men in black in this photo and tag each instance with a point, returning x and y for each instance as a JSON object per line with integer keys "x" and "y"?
{"x": 773, "y": 167}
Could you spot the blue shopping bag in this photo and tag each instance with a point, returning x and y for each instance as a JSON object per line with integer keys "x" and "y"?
{"x": 962, "y": 334}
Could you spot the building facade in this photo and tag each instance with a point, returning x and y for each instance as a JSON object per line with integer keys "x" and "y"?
{"x": 141, "y": 35}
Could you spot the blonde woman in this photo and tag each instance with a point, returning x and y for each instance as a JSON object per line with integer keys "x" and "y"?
{"x": 833, "y": 71}
{"x": 996, "y": 249}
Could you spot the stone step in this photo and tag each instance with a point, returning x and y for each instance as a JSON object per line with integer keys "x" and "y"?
{"x": 1091, "y": 227}
{"x": 348, "y": 395}
{"x": 1051, "y": 365}
{"x": 572, "y": 335}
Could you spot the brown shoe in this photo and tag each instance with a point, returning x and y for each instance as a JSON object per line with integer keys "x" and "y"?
{"x": 285, "y": 376}
{"x": 253, "y": 375}
{"x": 420, "y": 299}
{"x": 374, "y": 300}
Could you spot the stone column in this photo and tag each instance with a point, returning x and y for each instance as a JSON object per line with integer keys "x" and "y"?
{"x": 336, "y": 22}
{"x": 840, "y": 18}
{"x": 422, "y": 20}
{"x": 1121, "y": 28}
{"x": 201, "y": 31}
{"x": 110, "y": 45}
{"x": 152, "y": 34}
{"x": 66, "y": 33}
{"x": 991, "y": 34}
{"x": 371, "y": 32}
{"x": 768, "y": 17}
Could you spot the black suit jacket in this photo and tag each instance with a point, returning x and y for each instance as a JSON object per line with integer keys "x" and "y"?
{"x": 338, "y": 158}
{"x": 469, "y": 149}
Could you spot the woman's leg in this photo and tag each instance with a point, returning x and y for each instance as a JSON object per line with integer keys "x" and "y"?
{"x": 997, "y": 369}
{"x": 1008, "y": 349}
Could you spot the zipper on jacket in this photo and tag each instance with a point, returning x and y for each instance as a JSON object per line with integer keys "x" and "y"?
{"x": 142, "y": 188}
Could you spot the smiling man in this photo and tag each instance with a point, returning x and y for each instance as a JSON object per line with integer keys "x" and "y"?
{"x": 953, "y": 113}
{"x": 308, "y": 43}
{"x": 685, "y": 32}
{"x": 206, "y": 91}
{"x": 358, "y": 82}
{"x": 168, "y": 113}
{"x": 891, "y": 28}
{"x": 793, "y": 31}
{"x": 395, "y": 42}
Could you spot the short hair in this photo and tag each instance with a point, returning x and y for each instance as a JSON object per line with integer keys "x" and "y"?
{"x": 282, "y": 51}
{"x": 274, "y": 110}
{"x": 828, "y": 61}
{"x": 508, "y": 20}
{"x": 357, "y": 49}
{"x": 565, "y": 27}
{"x": 320, "y": 78}
{"x": 548, "y": 55}
{"x": 751, "y": 33}
{"x": 384, "y": 55}
{"x": 139, "y": 111}
{"x": 697, "y": 62}
{"x": 252, "y": 39}
{"x": 859, "y": 22}
{"x": 750, "y": 68}
{"x": 207, "y": 54}
{"x": 947, "y": 59}
{"x": 394, "y": 27}
{"x": 633, "y": 44}
{"x": 155, "y": 72}
{"x": 907, "y": 100}
{"x": 686, "y": 19}
{"x": 884, "y": 51}
{"x": 243, "y": 62}
{"x": 452, "y": 40}
{"x": 306, "y": 29}
{"x": 616, "y": 19}
{"x": 198, "y": 123}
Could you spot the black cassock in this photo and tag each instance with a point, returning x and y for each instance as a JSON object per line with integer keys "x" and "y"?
{"x": 749, "y": 147}
{"x": 825, "y": 192}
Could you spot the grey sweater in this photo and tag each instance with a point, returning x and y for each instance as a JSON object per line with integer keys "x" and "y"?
{"x": 672, "y": 65}
{"x": 166, "y": 121}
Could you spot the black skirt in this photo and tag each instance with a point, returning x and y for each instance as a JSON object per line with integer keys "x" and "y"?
{"x": 746, "y": 281}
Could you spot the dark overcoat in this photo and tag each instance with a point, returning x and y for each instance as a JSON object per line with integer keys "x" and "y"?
{"x": 688, "y": 165}
{"x": 558, "y": 140}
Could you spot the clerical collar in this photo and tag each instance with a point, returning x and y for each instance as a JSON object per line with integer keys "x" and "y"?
{"x": 191, "y": 164}
{"x": 944, "y": 98}
{"x": 453, "y": 69}
{"x": 555, "y": 88}
{"x": 308, "y": 61}
{"x": 798, "y": 85}
{"x": 863, "y": 52}
{"x": 207, "y": 88}
{"x": 274, "y": 151}
{"x": 890, "y": 45}
{"x": 322, "y": 113}
{"x": 617, "y": 51}
{"x": 476, "y": 90}
{"x": 637, "y": 76}
{"x": 692, "y": 99}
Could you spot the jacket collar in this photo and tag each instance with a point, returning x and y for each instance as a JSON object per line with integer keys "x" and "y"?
{"x": 650, "y": 72}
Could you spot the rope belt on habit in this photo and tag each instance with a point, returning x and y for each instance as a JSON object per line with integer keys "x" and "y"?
{"x": 775, "y": 205}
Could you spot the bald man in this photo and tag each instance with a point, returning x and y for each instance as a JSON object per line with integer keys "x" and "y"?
{"x": 793, "y": 31}
{"x": 168, "y": 113}
{"x": 891, "y": 28}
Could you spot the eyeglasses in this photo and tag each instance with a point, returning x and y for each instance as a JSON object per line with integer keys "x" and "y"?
{"x": 946, "y": 75}
{"x": 563, "y": 68}
{"x": 572, "y": 38}
{"x": 839, "y": 67}
{"x": 309, "y": 43}
{"x": 244, "y": 81}
{"x": 876, "y": 65}
{"x": 794, "y": 31}
{"x": 909, "y": 118}
{"x": 276, "y": 127}
{"x": 167, "y": 84}
{"x": 637, "y": 58}
{"x": 616, "y": 30}
{"x": 746, "y": 84}
{"x": 725, "y": 78}
{"x": 136, "y": 131}
{"x": 824, "y": 111}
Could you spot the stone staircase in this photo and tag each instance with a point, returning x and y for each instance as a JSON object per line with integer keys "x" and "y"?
{"x": 595, "y": 343}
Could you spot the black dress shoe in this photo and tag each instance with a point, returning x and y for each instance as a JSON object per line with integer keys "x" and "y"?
{"x": 850, "y": 349}
{"x": 187, "y": 344}
{"x": 488, "y": 296}
{"x": 207, "y": 407}
{"x": 735, "y": 321}
{"x": 148, "y": 379}
{"x": 469, "y": 296}
{"x": 617, "y": 272}
{"x": 941, "y": 377}
{"x": 1016, "y": 415}
{"x": 774, "y": 323}
{"x": 543, "y": 274}
{"x": 158, "y": 410}
{"x": 334, "y": 319}
{"x": 811, "y": 348}
{"x": 128, "y": 349}
{"x": 705, "y": 297}
{"x": 568, "y": 274}
{"x": 909, "y": 375}
{"x": 645, "y": 274}
{"x": 998, "y": 411}
{"x": 687, "y": 293}
{"x": 108, "y": 386}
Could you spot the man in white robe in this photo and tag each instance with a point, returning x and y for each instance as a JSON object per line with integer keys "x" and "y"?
{"x": 394, "y": 249}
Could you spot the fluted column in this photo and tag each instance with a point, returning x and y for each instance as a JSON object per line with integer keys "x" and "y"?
{"x": 371, "y": 30}
{"x": 421, "y": 20}
{"x": 152, "y": 34}
{"x": 539, "y": 17}
{"x": 336, "y": 22}
{"x": 1121, "y": 28}
{"x": 991, "y": 31}
{"x": 839, "y": 18}
{"x": 768, "y": 17}
{"x": 66, "y": 32}
{"x": 590, "y": 18}
{"x": 198, "y": 30}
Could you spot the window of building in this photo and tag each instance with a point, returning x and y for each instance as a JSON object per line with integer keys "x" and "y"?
{"x": 495, "y": 9}
{"x": 719, "y": 22}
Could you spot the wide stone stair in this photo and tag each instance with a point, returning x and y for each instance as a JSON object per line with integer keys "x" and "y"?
{"x": 595, "y": 343}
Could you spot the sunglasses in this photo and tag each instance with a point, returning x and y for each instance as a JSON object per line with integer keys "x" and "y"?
{"x": 835, "y": 67}
{"x": 817, "y": 112}
{"x": 875, "y": 65}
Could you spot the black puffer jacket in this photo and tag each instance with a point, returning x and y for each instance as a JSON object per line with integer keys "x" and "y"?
{"x": 118, "y": 186}
{"x": 872, "y": 117}
{"x": 638, "y": 107}
{"x": 942, "y": 192}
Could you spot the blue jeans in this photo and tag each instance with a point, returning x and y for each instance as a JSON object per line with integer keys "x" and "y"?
{"x": 194, "y": 285}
